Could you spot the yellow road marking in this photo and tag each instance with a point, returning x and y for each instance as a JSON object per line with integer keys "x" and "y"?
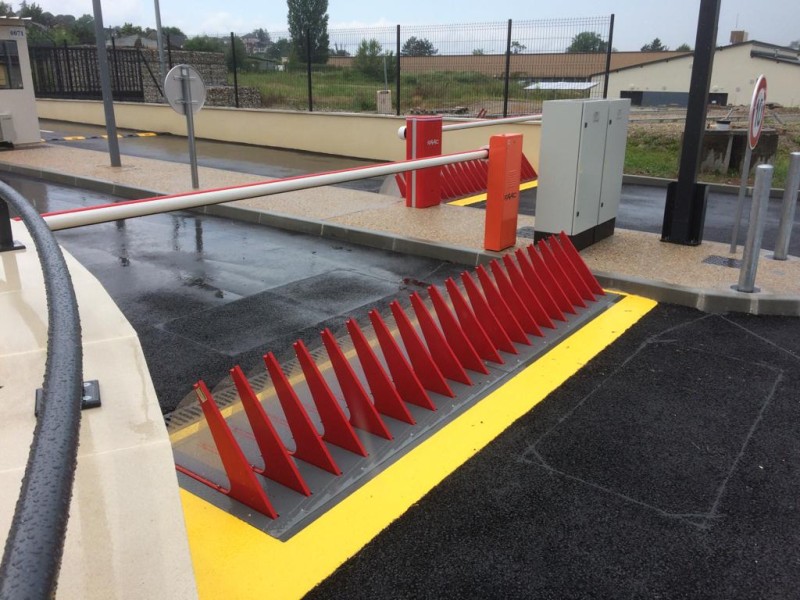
{"x": 234, "y": 560}
{"x": 147, "y": 134}
{"x": 73, "y": 138}
{"x": 481, "y": 197}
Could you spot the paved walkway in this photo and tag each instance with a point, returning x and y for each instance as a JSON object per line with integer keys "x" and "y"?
{"x": 631, "y": 261}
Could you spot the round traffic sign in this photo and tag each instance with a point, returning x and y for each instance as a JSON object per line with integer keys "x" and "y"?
{"x": 757, "y": 106}
{"x": 174, "y": 89}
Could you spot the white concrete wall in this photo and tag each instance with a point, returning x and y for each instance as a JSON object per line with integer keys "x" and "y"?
{"x": 734, "y": 72}
{"x": 373, "y": 137}
{"x": 20, "y": 103}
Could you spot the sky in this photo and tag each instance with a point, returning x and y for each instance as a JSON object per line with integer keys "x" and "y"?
{"x": 637, "y": 22}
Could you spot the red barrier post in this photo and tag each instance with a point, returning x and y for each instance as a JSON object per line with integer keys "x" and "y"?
{"x": 423, "y": 140}
{"x": 502, "y": 199}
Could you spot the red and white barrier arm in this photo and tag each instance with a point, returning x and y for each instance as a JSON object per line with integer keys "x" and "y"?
{"x": 401, "y": 133}
{"x": 149, "y": 206}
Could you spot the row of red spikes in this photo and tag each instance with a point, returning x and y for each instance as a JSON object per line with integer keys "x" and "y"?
{"x": 524, "y": 295}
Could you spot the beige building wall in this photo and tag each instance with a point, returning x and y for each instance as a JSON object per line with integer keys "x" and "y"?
{"x": 372, "y": 137}
{"x": 735, "y": 73}
{"x": 20, "y": 103}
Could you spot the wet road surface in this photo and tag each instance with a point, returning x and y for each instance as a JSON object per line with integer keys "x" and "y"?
{"x": 206, "y": 293}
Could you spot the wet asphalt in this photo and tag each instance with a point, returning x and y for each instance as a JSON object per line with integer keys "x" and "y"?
{"x": 668, "y": 467}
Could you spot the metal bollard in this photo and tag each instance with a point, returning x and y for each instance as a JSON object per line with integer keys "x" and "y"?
{"x": 755, "y": 231}
{"x": 789, "y": 205}
{"x": 7, "y": 241}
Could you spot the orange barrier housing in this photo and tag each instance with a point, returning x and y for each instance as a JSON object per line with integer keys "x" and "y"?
{"x": 502, "y": 200}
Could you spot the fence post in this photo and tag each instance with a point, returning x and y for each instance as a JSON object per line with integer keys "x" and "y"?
{"x": 508, "y": 69}
{"x": 755, "y": 233}
{"x": 397, "y": 71}
{"x": 115, "y": 65}
{"x": 68, "y": 65}
{"x": 308, "y": 70}
{"x": 235, "y": 68}
{"x": 169, "y": 52}
{"x": 608, "y": 55}
{"x": 791, "y": 186}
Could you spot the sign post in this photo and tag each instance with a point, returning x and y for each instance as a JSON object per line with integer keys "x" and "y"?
{"x": 754, "y": 128}
{"x": 184, "y": 87}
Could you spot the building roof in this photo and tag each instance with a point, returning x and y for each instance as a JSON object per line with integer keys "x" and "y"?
{"x": 773, "y": 52}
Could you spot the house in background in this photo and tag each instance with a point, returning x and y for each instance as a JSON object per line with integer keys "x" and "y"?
{"x": 736, "y": 68}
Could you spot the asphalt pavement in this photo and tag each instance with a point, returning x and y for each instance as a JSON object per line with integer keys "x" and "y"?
{"x": 668, "y": 467}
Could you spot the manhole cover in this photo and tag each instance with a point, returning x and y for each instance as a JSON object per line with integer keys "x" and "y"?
{"x": 525, "y": 232}
{"x": 723, "y": 261}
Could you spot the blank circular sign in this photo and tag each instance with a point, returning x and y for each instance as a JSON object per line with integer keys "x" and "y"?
{"x": 173, "y": 88}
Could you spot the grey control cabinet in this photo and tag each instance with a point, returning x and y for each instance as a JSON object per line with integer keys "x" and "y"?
{"x": 580, "y": 168}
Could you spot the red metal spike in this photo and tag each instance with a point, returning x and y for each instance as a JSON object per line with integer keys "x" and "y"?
{"x": 308, "y": 444}
{"x": 538, "y": 287}
{"x": 387, "y": 400}
{"x": 406, "y": 381}
{"x": 513, "y": 299}
{"x": 526, "y": 294}
{"x": 362, "y": 413}
{"x": 424, "y": 366}
{"x": 337, "y": 430}
{"x": 469, "y": 324}
{"x": 278, "y": 464}
{"x": 500, "y": 308}
{"x": 550, "y": 280}
{"x": 455, "y": 335}
{"x": 244, "y": 487}
{"x": 580, "y": 265}
{"x": 440, "y": 350}
{"x": 486, "y": 316}
{"x": 558, "y": 272}
{"x": 569, "y": 269}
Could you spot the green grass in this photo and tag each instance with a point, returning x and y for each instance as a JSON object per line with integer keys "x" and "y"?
{"x": 344, "y": 89}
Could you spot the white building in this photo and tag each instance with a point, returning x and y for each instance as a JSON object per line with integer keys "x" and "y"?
{"x": 736, "y": 68}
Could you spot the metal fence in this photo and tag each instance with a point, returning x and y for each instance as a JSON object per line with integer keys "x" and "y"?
{"x": 491, "y": 69}
{"x": 483, "y": 69}
{"x": 62, "y": 72}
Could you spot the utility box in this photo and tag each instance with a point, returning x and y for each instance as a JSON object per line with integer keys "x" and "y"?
{"x": 19, "y": 123}
{"x": 580, "y": 168}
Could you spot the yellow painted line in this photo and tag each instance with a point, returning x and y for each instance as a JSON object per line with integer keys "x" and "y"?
{"x": 481, "y": 197}
{"x": 74, "y": 138}
{"x": 146, "y": 134}
{"x": 234, "y": 560}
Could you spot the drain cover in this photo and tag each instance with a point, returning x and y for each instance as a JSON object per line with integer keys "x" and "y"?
{"x": 723, "y": 261}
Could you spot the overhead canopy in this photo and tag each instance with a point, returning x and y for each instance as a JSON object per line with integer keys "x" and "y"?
{"x": 561, "y": 85}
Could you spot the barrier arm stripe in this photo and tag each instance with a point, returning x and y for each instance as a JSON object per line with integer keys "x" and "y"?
{"x": 255, "y": 565}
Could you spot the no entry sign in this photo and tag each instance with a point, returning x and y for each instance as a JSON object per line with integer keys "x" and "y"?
{"x": 757, "y": 106}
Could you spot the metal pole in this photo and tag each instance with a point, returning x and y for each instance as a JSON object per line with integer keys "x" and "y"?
{"x": 105, "y": 85}
{"x": 401, "y": 133}
{"x": 308, "y": 69}
{"x": 608, "y": 55}
{"x": 684, "y": 211}
{"x": 789, "y": 204}
{"x": 160, "y": 204}
{"x": 755, "y": 232}
{"x": 508, "y": 68}
{"x": 235, "y": 78}
{"x": 189, "y": 109}
{"x": 748, "y": 156}
{"x": 397, "y": 75}
{"x": 160, "y": 40}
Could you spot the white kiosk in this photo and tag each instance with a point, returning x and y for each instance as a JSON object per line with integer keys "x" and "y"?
{"x": 19, "y": 123}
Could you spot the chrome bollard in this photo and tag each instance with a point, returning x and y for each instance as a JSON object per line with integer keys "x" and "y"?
{"x": 789, "y": 205}
{"x": 755, "y": 231}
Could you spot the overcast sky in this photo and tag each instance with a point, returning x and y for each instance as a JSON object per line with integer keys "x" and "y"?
{"x": 637, "y": 21}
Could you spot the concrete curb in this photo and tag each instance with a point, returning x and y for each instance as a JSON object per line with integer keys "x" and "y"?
{"x": 713, "y": 301}
{"x": 721, "y": 188}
